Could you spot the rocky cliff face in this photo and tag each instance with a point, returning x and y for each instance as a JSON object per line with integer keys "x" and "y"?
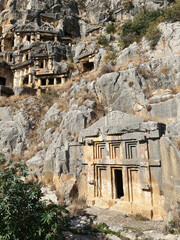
{"x": 102, "y": 78}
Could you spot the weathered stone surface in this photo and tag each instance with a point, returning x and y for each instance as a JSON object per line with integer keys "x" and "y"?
{"x": 169, "y": 43}
{"x": 6, "y": 113}
{"x": 35, "y": 164}
{"x": 127, "y": 53}
{"x": 102, "y": 11}
{"x": 166, "y": 110}
{"x": 51, "y": 116}
{"x": 90, "y": 104}
{"x": 74, "y": 121}
{"x": 120, "y": 91}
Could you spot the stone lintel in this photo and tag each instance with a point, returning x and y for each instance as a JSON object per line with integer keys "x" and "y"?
{"x": 23, "y": 64}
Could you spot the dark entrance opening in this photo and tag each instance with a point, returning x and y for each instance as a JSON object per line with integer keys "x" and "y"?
{"x": 43, "y": 82}
{"x": 58, "y": 80}
{"x": 51, "y": 81}
{"x": 88, "y": 66}
{"x": 10, "y": 57}
{"x": 29, "y": 38}
{"x": 25, "y": 81}
{"x": 119, "y": 183}
{"x": 2, "y": 81}
{"x": 47, "y": 38}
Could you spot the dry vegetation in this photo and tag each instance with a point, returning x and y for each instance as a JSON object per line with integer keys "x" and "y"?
{"x": 136, "y": 61}
{"x": 175, "y": 90}
{"x": 164, "y": 70}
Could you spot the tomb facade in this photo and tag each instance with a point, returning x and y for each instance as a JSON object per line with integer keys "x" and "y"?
{"x": 35, "y": 55}
{"x": 122, "y": 160}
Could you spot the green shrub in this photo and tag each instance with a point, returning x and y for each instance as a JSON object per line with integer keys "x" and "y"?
{"x": 22, "y": 212}
{"x": 143, "y": 24}
{"x": 102, "y": 40}
{"x": 153, "y": 35}
{"x": 134, "y": 30}
{"x": 110, "y": 29}
{"x": 172, "y": 13}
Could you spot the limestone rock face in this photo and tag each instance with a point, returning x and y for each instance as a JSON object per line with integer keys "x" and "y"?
{"x": 51, "y": 116}
{"x": 114, "y": 89}
{"x": 95, "y": 103}
{"x": 24, "y": 11}
{"x": 101, "y": 11}
{"x": 13, "y": 132}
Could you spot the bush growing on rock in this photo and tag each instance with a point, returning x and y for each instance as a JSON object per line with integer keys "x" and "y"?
{"x": 153, "y": 35}
{"x": 172, "y": 14}
{"x": 134, "y": 30}
{"x": 145, "y": 24}
{"x": 23, "y": 215}
{"x": 102, "y": 40}
{"x": 110, "y": 29}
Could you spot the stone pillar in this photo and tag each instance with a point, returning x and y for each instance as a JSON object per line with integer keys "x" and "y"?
{"x": 2, "y": 45}
{"x": 44, "y": 63}
{"x": 32, "y": 38}
{"x": 55, "y": 38}
{"x": 29, "y": 80}
{"x": 47, "y": 81}
{"x": 50, "y": 63}
{"x": 63, "y": 80}
{"x": 39, "y": 82}
{"x": 55, "y": 81}
{"x": 17, "y": 39}
{"x": 16, "y": 77}
{"x": 126, "y": 184}
{"x": 38, "y": 36}
{"x": 38, "y": 91}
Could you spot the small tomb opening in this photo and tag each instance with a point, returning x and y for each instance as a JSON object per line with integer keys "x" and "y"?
{"x": 46, "y": 38}
{"x": 88, "y": 66}
{"x": 29, "y": 38}
{"x": 41, "y": 65}
{"x": 118, "y": 183}
{"x": 51, "y": 81}
{"x": 8, "y": 43}
{"x": 43, "y": 82}
{"x": 2, "y": 81}
{"x": 10, "y": 57}
{"x": 58, "y": 80}
{"x": 25, "y": 81}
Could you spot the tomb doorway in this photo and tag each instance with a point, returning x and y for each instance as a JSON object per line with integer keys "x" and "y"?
{"x": 118, "y": 181}
{"x": 88, "y": 66}
{"x": 2, "y": 81}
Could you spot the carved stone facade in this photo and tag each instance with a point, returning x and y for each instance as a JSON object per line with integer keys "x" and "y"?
{"x": 35, "y": 56}
{"x": 123, "y": 165}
